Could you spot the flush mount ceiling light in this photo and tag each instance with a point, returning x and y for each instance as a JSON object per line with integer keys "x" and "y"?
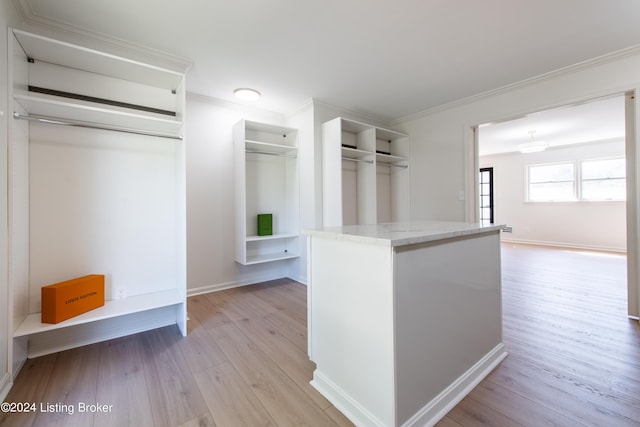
{"x": 246, "y": 94}
{"x": 532, "y": 146}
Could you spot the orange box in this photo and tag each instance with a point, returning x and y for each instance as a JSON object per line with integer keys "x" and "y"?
{"x": 64, "y": 300}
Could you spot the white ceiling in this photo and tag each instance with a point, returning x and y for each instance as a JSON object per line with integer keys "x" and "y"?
{"x": 384, "y": 58}
{"x": 598, "y": 120}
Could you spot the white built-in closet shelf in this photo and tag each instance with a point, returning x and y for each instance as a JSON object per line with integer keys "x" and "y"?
{"x": 353, "y": 153}
{"x": 390, "y": 159}
{"x": 270, "y": 237}
{"x": 81, "y": 58}
{"x": 268, "y": 147}
{"x": 77, "y": 111}
{"x": 259, "y": 259}
{"x": 113, "y": 308}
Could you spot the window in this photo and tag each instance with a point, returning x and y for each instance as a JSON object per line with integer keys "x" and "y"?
{"x": 603, "y": 180}
{"x": 552, "y": 182}
{"x": 584, "y": 180}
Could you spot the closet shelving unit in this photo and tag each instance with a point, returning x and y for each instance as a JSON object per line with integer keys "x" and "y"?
{"x": 266, "y": 181}
{"x": 365, "y": 172}
{"x": 97, "y": 186}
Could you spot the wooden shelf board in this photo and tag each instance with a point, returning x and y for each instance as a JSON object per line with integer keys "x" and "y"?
{"x": 112, "y": 308}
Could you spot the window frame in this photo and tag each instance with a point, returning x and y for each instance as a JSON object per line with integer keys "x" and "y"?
{"x": 577, "y": 182}
{"x": 528, "y": 182}
{"x": 583, "y": 180}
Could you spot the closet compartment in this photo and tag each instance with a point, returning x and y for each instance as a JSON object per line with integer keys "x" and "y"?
{"x": 367, "y": 184}
{"x": 69, "y": 83}
{"x": 392, "y": 176}
{"x": 97, "y": 186}
{"x": 266, "y": 182}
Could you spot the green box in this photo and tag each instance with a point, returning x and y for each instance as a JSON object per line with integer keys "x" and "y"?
{"x": 265, "y": 224}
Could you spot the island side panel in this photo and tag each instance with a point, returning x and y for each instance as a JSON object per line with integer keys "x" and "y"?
{"x": 351, "y": 327}
{"x": 448, "y": 312}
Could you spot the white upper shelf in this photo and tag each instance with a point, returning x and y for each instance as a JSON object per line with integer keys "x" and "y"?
{"x": 48, "y": 106}
{"x": 61, "y": 53}
{"x": 269, "y": 147}
{"x": 267, "y": 128}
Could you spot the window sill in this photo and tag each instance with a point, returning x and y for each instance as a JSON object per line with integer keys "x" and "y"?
{"x": 575, "y": 202}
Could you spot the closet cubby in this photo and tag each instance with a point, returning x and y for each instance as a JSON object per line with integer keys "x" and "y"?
{"x": 96, "y": 186}
{"x": 66, "y": 82}
{"x": 266, "y": 182}
{"x": 365, "y": 174}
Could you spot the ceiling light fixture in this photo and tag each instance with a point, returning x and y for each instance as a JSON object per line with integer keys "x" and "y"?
{"x": 246, "y": 94}
{"x": 532, "y": 146}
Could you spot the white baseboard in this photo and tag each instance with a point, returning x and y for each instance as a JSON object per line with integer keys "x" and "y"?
{"x": 351, "y": 409}
{"x": 299, "y": 279}
{"x": 431, "y": 413}
{"x": 238, "y": 283}
{"x": 437, "y": 408}
{"x": 506, "y": 239}
{"x": 5, "y": 386}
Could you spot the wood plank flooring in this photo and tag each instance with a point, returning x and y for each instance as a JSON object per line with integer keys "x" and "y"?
{"x": 574, "y": 359}
{"x": 574, "y": 356}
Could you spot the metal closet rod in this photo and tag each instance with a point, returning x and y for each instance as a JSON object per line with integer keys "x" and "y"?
{"x": 269, "y": 153}
{"x": 357, "y": 160}
{"x": 395, "y": 165}
{"x": 55, "y": 121}
{"x": 371, "y": 162}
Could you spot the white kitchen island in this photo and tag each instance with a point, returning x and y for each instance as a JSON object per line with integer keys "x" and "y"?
{"x": 404, "y": 318}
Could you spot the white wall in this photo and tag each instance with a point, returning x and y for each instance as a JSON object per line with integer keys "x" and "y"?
{"x": 442, "y": 140}
{"x": 210, "y": 212}
{"x": 210, "y": 200}
{"x": 8, "y": 17}
{"x": 590, "y": 225}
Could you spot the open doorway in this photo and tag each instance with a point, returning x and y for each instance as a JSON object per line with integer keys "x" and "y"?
{"x": 559, "y": 176}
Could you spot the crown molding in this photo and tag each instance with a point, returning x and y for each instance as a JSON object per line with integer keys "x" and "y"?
{"x": 580, "y": 66}
{"x": 107, "y": 42}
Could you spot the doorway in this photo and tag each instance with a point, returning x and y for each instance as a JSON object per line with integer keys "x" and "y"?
{"x": 613, "y": 142}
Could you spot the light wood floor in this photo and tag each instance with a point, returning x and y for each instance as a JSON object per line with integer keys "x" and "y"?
{"x": 574, "y": 359}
